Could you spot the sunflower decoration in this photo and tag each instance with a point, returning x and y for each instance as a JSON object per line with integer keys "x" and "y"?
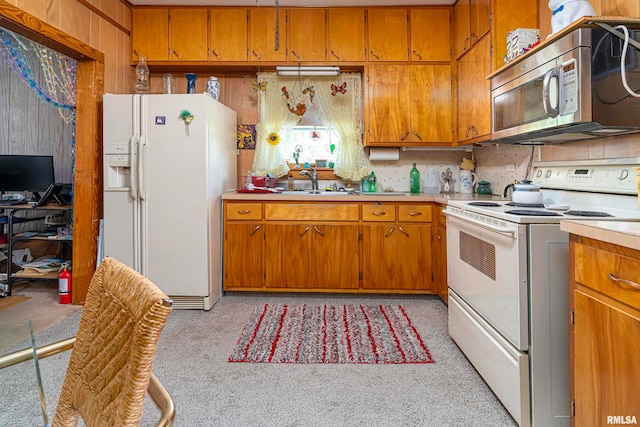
{"x": 273, "y": 139}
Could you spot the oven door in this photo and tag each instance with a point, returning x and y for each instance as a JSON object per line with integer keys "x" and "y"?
{"x": 487, "y": 268}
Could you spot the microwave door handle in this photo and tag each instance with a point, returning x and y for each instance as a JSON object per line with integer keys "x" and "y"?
{"x": 546, "y": 98}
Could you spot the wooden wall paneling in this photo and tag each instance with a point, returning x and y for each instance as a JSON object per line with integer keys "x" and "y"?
{"x": 618, "y": 7}
{"x": 73, "y": 19}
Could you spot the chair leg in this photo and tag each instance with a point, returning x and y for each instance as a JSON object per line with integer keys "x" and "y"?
{"x": 163, "y": 401}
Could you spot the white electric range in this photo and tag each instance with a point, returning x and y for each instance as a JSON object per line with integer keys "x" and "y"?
{"x": 508, "y": 276}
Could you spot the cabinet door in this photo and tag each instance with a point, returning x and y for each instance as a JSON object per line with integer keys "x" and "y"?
{"x": 389, "y": 103}
{"x": 430, "y": 35}
{"x": 461, "y": 27}
{"x": 188, "y": 34}
{"x": 334, "y": 257}
{"x": 346, "y": 35}
{"x": 307, "y": 35}
{"x": 150, "y": 34}
{"x": 439, "y": 262}
{"x": 480, "y": 19}
{"x": 388, "y": 35}
{"x": 229, "y": 34}
{"x": 243, "y": 260}
{"x": 262, "y": 35}
{"x": 413, "y": 257}
{"x": 287, "y": 255}
{"x": 605, "y": 356}
{"x": 431, "y": 104}
{"x": 379, "y": 256}
{"x": 474, "y": 93}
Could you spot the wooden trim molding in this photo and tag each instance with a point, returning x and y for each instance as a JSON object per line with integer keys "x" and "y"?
{"x": 107, "y": 18}
{"x": 87, "y": 179}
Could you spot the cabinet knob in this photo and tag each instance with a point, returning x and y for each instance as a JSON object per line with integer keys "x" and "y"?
{"x": 404, "y": 137}
{"x": 403, "y": 231}
{"x": 317, "y": 230}
{"x": 335, "y": 54}
{"x": 374, "y": 54}
{"x": 176, "y": 54}
{"x": 296, "y": 55}
{"x": 390, "y": 232}
{"x": 255, "y": 54}
{"x": 418, "y": 136}
{"x": 418, "y": 55}
{"x": 216, "y": 54}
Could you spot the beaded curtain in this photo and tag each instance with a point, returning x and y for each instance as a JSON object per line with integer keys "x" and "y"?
{"x": 58, "y": 88}
{"x": 339, "y": 101}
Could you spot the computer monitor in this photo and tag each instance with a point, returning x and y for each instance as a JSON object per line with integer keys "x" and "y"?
{"x": 31, "y": 173}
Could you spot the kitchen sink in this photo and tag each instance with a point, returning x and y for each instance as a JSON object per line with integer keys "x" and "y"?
{"x": 320, "y": 193}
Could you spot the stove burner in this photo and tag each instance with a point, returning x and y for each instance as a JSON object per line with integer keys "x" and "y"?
{"x": 487, "y": 204}
{"x": 526, "y": 205}
{"x": 527, "y": 212}
{"x": 587, "y": 213}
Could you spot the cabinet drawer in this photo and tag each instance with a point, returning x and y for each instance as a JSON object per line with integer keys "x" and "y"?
{"x": 414, "y": 213}
{"x": 244, "y": 211}
{"x": 379, "y": 213}
{"x": 310, "y": 212}
{"x": 592, "y": 269}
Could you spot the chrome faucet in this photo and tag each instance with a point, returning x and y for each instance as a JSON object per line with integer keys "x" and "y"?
{"x": 312, "y": 176}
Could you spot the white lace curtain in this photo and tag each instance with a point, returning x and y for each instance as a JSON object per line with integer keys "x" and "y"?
{"x": 339, "y": 104}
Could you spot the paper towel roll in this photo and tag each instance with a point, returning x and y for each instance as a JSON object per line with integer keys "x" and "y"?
{"x": 376, "y": 153}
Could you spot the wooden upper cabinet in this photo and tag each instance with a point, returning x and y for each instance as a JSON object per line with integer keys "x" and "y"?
{"x": 474, "y": 93}
{"x": 150, "y": 34}
{"x": 461, "y": 27}
{"x": 480, "y": 19}
{"x": 472, "y": 20}
{"x": 388, "y": 34}
{"x": 410, "y": 105}
{"x": 229, "y": 34}
{"x": 307, "y": 35}
{"x": 188, "y": 34}
{"x": 389, "y": 103}
{"x": 430, "y": 35}
{"x": 262, "y": 35}
{"x": 431, "y": 104}
{"x": 346, "y": 35}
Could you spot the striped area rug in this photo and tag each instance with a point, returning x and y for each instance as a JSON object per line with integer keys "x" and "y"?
{"x": 330, "y": 334}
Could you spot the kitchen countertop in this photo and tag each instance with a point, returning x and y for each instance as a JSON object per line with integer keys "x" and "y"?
{"x": 395, "y": 197}
{"x": 622, "y": 233}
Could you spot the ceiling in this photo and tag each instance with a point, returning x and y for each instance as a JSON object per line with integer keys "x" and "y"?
{"x": 289, "y": 3}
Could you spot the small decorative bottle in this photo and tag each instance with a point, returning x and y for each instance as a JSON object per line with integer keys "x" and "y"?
{"x": 142, "y": 75}
{"x": 290, "y": 183}
{"x": 213, "y": 87}
{"x": 414, "y": 180}
{"x": 373, "y": 182}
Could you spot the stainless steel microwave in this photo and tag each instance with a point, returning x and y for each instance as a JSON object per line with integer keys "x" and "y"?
{"x": 571, "y": 89}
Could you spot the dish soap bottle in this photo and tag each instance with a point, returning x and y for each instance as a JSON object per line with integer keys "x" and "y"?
{"x": 414, "y": 180}
{"x": 373, "y": 182}
{"x": 290, "y": 185}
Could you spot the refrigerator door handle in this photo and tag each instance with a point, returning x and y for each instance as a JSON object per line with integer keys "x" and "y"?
{"x": 134, "y": 167}
{"x": 141, "y": 143}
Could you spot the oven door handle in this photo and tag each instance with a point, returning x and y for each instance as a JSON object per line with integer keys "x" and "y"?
{"x": 490, "y": 227}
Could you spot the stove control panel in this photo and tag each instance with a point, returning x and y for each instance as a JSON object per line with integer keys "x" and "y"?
{"x": 618, "y": 178}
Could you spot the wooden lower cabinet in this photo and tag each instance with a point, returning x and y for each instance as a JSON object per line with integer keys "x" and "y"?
{"x": 439, "y": 249}
{"x": 312, "y": 256}
{"x": 396, "y": 256}
{"x": 328, "y": 247}
{"x": 243, "y": 255}
{"x": 605, "y": 338}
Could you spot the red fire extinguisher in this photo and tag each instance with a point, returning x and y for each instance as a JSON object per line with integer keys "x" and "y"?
{"x": 64, "y": 284}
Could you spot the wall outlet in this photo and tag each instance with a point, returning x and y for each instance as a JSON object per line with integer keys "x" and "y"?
{"x": 511, "y": 167}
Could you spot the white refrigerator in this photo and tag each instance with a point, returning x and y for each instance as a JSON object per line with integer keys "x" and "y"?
{"x": 167, "y": 161}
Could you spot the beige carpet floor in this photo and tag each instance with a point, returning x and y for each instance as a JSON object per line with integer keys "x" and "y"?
{"x": 38, "y": 302}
